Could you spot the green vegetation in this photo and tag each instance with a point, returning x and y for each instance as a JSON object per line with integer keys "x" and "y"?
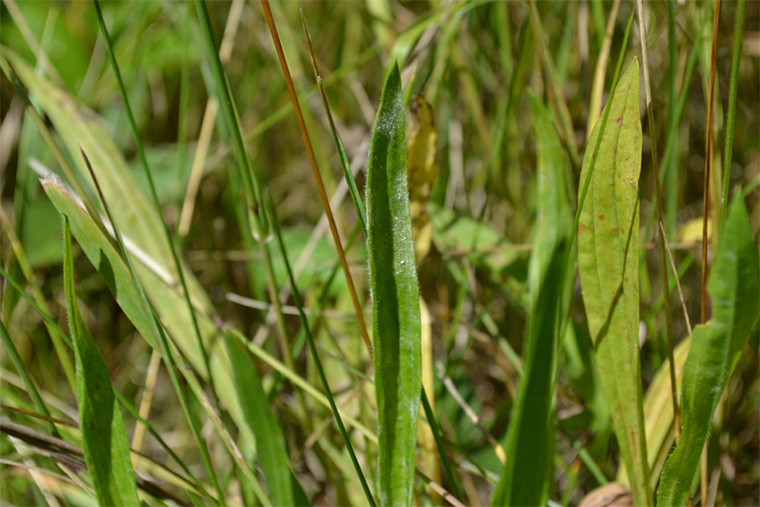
{"x": 496, "y": 315}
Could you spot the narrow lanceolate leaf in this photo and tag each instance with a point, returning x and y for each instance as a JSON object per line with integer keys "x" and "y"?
{"x": 716, "y": 346}
{"x": 270, "y": 443}
{"x": 525, "y": 476}
{"x": 608, "y": 261}
{"x": 395, "y": 298}
{"x": 104, "y": 441}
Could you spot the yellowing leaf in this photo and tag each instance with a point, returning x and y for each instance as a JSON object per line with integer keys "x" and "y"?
{"x": 422, "y": 175}
{"x": 608, "y": 262}
{"x": 691, "y": 232}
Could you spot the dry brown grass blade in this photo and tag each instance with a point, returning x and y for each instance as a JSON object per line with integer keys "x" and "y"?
{"x": 38, "y": 416}
{"x": 317, "y": 174}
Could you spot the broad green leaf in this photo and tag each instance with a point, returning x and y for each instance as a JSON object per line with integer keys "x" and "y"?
{"x": 525, "y": 476}
{"x": 716, "y": 346}
{"x": 608, "y": 261}
{"x": 104, "y": 441}
{"x": 258, "y": 415}
{"x": 395, "y": 298}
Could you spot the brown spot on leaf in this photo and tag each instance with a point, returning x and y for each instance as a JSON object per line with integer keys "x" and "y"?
{"x": 619, "y": 121}
{"x": 601, "y": 217}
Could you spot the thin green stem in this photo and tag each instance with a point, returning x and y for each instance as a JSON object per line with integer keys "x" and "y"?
{"x": 184, "y": 104}
{"x": 251, "y": 184}
{"x": 156, "y": 202}
{"x": 671, "y": 203}
{"x": 21, "y": 370}
{"x": 250, "y": 181}
{"x": 439, "y": 444}
{"x": 731, "y": 119}
{"x": 661, "y": 239}
{"x": 317, "y": 362}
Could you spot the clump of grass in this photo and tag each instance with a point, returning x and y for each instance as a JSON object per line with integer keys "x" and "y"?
{"x": 534, "y": 392}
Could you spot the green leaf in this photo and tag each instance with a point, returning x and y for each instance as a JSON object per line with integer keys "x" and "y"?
{"x": 525, "y": 476}
{"x": 608, "y": 262}
{"x": 79, "y": 126}
{"x": 102, "y": 253}
{"x": 138, "y": 221}
{"x": 452, "y": 231}
{"x": 104, "y": 441}
{"x": 658, "y": 415}
{"x": 270, "y": 442}
{"x": 167, "y": 300}
{"x": 395, "y": 298}
{"x": 716, "y": 346}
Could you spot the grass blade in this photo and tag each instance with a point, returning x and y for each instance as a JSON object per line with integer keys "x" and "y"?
{"x": 270, "y": 442}
{"x": 342, "y": 156}
{"x": 11, "y": 350}
{"x": 525, "y": 476}
{"x": 608, "y": 252}
{"x": 156, "y": 203}
{"x": 104, "y": 441}
{"x": 728, "y": 151}
{"x": 251, "y": 184}
{"x": 124, "y": 402}
{"x": 317, "y": 174}
{"x": 395, "y": 298}
{"x": 715, "y": 350}
{"x": 305, "y": 324}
